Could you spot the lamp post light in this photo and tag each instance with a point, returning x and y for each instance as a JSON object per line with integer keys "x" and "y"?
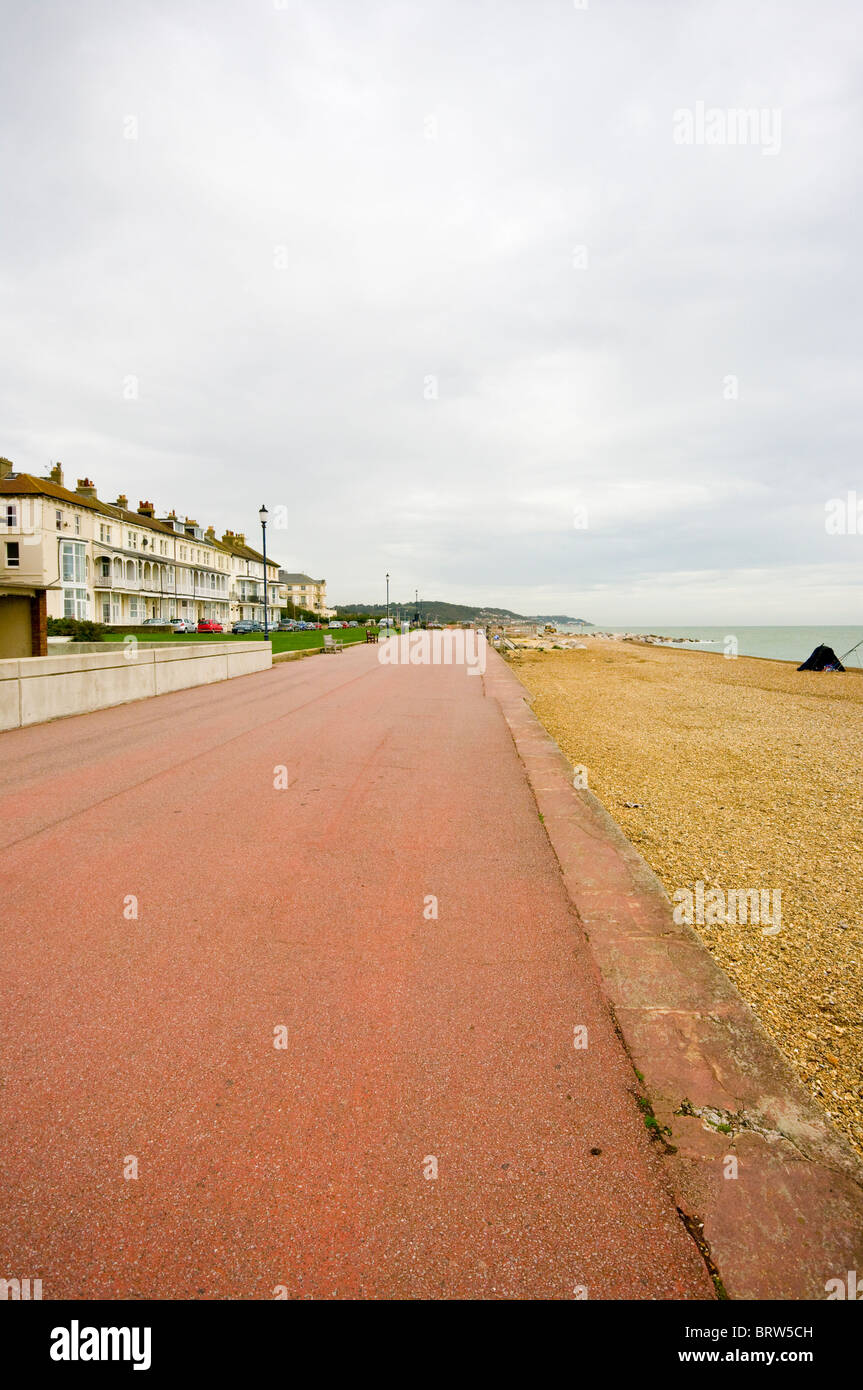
{"x": 263, "y": 514}
{"x": 388, "y": 603}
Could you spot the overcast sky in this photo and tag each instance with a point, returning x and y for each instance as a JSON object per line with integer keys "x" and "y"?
{"x": 440, "y": 278}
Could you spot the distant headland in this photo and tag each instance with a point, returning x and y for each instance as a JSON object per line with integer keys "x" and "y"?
{"x": 435, "y": 610}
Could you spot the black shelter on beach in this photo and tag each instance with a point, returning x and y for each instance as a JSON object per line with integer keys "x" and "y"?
{"x": 822, "y": 659}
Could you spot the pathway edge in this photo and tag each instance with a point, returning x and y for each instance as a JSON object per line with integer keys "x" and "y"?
{"x": 792, "y": 1218}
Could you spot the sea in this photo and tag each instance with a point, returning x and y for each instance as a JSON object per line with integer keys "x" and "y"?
{"x": 775, "y": 643}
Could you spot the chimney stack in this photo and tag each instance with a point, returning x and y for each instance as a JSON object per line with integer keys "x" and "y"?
{"x": 6, "y": 467}
{"x": 240, "y": 538}
{"x": 210, "y": 533}
{"x": 85, "y": 488}
{"x": 56, "y": 474}
{"x": 146, "y": 509}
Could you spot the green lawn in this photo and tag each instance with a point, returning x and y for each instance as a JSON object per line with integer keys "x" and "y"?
{"x": 282, "y": 641}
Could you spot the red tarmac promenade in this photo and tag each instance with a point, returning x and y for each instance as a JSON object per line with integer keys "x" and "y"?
{"x": 412, "y": 1042}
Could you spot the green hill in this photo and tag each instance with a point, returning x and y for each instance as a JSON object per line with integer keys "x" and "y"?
{"x": 455, "y": 612}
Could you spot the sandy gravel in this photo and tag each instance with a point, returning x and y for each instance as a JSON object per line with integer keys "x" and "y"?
{"x": 744, "y": 774}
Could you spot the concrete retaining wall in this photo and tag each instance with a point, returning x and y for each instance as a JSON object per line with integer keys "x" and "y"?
{"x": 38, "y": 688}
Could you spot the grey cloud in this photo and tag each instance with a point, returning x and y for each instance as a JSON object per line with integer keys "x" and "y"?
{"x": 327, "y": 204}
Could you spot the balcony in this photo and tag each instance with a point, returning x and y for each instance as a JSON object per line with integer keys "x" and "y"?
{"x": 109, "y": 581}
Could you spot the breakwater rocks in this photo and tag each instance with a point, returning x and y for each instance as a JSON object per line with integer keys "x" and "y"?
{"x": 648, "y": 639}
{"x": 572, "y": 641}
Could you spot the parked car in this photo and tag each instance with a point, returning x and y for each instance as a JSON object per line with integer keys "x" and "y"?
{"x": 334, "y": 624}
{"x": 155, "y": 622}
{"x": 208, "y": 625}
{"x": 181, "y": 624}
{"x": 247, "y": 626}
{"x": 353, "y": 624}
{"x": 288, "y": 626}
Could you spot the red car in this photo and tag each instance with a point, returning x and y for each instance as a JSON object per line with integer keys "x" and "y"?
{"x": 207, "y": 625}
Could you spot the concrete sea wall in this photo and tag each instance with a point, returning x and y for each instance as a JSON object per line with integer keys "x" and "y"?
{"x": 33, "y": 689}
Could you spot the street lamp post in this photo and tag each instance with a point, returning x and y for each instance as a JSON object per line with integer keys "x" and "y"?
{"x": 388, "y": 602}
{"x": 263, "y": 514}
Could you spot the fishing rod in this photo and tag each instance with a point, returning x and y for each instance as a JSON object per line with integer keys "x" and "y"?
{"x": 853, "y": 649}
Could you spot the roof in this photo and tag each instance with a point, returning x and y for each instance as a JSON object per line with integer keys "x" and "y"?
{"x": 297, "y": 578}
{"x": 24, "y": 484}
{"x": 246, "y": 552}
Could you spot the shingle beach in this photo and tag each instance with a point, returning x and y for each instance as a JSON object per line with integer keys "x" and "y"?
{"x": 741, "y": 774}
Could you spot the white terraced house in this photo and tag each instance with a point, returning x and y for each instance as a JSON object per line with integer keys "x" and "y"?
{"x": 68, "y": 554}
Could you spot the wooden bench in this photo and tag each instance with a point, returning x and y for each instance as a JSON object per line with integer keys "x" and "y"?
{"x": 331, "y": 645}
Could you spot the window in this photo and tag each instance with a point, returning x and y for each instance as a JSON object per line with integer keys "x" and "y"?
{"x": 11, "y": 514}
{"x": 75, "y": 603}
{"x": 72, "y": 567}
{"x": 131, "y": 540}
{"x": 105, "y": 534}
{"x": 73, "y": 571}
{"x": 133, "y": 608}
{"x": 12, "y": 556}
{"x": 77, "y": 523}
{"x": 58, "y": 520}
